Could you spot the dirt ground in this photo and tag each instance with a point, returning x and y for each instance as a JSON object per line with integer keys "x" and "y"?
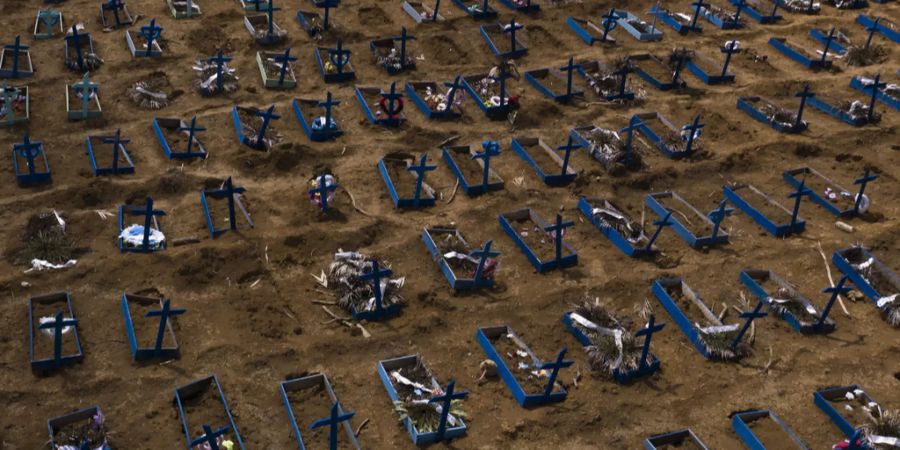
{"x": 249, "y": 294}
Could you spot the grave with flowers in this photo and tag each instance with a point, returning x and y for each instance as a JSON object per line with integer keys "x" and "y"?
{"x": 853, "y": 410}
{"x": 318, "y": 128}
{"x": 215, "y": 76}
{"x": 491, "y": 93}
{"x": 618, "y": 154}
{"x": 775, "y": 116}
{"x": 380, "y": 107}
{"x": 146, "y": 236}
{"x": 887, "y": 93}
{"x": 393, "y": 53}
{"x": 719, "y": 16}
{"x": 363, "y": 286}
{"x": 262, "y": 26}
{"x": 608, "y": 82}
{"x": 437, "y": 100}
{"x": 277, "y": 69}
{"x": 334, "y": 63}
{"x": 80, "y": 55}
{"x": 79, "y": 430}
{"x": 477, "y": 9}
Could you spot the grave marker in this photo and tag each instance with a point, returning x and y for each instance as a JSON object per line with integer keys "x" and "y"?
{"x": 332, "y": 423}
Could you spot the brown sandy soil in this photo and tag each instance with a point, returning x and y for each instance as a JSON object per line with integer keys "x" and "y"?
{"x": 253, "y": 334}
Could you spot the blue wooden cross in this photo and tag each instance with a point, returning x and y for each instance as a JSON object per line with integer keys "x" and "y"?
{"x": 9, "y": 96}
{"x": 49, "y": 18}
{"x": 876, "y": 86}
{"x": 569, "y": 69}
{"x": 804, "y": 94}
{"x": 489, "y": 150}
{"x": 75, "y": 40}
{"x": 328, "y": 104}
{"x": 750, "y": 316}
{"x": 557, "y": 230}
{"x": 610, "y": 20}
{"x": 451, "y": 93}
{"x": 285, "y": 61}
{"x": 267, "y": 116}
{"x": 402, "y": 39}
{"x": 857, "y": 441}
{"x": 872, "y": 29}
{"x": 737, "y": 14}
{"x": 376, "y": 275}
{"x": 511, "y": 29}
{"x": 437, "y": 4}
{"x": 828, "y": 40}
{"x": 326, "y": 5}
{"x": 680, "y": 60}
{"x": 445, "y": 401}
{"x": 117, "y": 141}
{"x": 623, "y": 72}
{"x": 835, "y": 292}
{"x": 149, "y": 213}
{"x": 220, "y": 60}
{"x": 228, "y": 190}
{"x": 210, "y": 437}
{"x": 151, "y": 33}
{"x": 729, "y": 49}
{"x": 862, "y": 182}
{"x": 270, "y": 12}
{"x": 634, "y": 124}
{"x": 115, "y": 6}
{"x": 698, "y": 5}
{"x": 571, "y": 145}
{"x": 420, "y": 176}
{"x": 323, "y": 189}
{"x": 191, "y": 131}
{"x": 339, "y": 57}
{"x": 164, "y": 313}
{"x": 692, "y": 130}
{"x": 57, "y": 326}
{"x": 189, "y": 11}
{"x": 660, "y": 224}
{"x": 802, "y": 191}
{"x": 648, "y": 331}
{"x": 554, "y": 367}
{"x": 501, "y": 77}
{"x": 332, "y": 422}
{"x": 482, "y": 254}
{"x": 391, "y": 96}
{"x": 774, "y": 8}
{"x": 16, "y": 48}
{"x": 718, "y": 215}
{"x": 28, "y": 150}
{"x": 255, "y": 4}
{"x": 86, "y": 89}
{"x": 655, "y": 13}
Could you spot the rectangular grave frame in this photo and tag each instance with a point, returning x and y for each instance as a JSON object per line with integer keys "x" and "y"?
{"x": 126, "y": 169}
{"x": 522, "y": 146}
{"x": 484, "y": 335}
{"x": 172, "y": 123}
{"x": 125, "y": 21}
{"x": 674, "y": 437}
{"x": 752, "y": 9}
{"x": 183, "y": 14}
{"x": 78, "y": 114}
{"x": 881, "y": 96}
{"x": 236, "y": 119}
{"x": 458, "y": 283}
{"x": 569, "y": 254}
{"x": 792, "y": 51}
{"x": 376, "y": 44}
{"x": 746, "y": 104}
{"x": 740, "y": 420}
{"x": 347, "y": 75}
{"x": 121, "y": 214}
{"x": 655, "y": 138}
{"x": 790, "y": 176}
{"x": 72, "y": 65}
{"x": 248, "y": 6}
{"x": 142, "y": 353}
{"x": 521, "y": 44}
{"x": 155, "y": 51}
{"x": 251, "y": 21}
{"x": 785, "y": 6}
{"x": 586, "y": 206}
{"x": 534, "y": 77}
{"x": 240, "y": 209}
{"x": 491, "y": 13}
{"x": 412, "y": 88}
{"x": 584, "y": 67}
{"x": 717, "y": 21}
{"x": 584, "y": 28}
{"x": 649, "y": 78}
{"x": 198, "y": 386}
{"x": 23, "y": 72}
{"x": 492, "y": 112}
{"x": 749, "y": 278}
{"x": 81, "y": 415}
{"x": 533, "y": 7}
{"x": 671, "y": 19}
{"x": 843, "y": 264}
{"x": 41, "y": 173}
{"x": 48, "y": 34}
{"x": 48, "y": 364}
{"x": 821, "y": 103}
{"x": 619, "y": 376}
{"x": 308, "y": 382}
{"x": 822, "y": 38}
{"x": 823, "y": 397}
{"x": 625, "y": 21}
{"x": 305, "y": 20}
{"x": 885, "y": 26}
{"x": 775, "y": 229}
{"x": 693, "y": 241}
{"x": 384, "y": 368}
{"x": 704, "y": 76}
{"x": 412, "y": 8}
{"x": 464, "y": 183}
{"x": 299, "y": 105}
{"x": 427, "y": 194}
{"x": 6, "y": 122}
{"x": 361, "y": 92}
{"x": 290, "y": 79}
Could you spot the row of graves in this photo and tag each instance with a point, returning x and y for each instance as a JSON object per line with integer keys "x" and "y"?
{"x": 366, "y": 287}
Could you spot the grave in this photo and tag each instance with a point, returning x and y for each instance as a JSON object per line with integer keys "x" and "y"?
{"x": 434, "y": 100}
{"x": 779, "y": 119}
{"x": 120, "y": 162}
{"x": 422, "y": 13}
{"x": 477, "y": 9}
{"x": 146, "y": 238}
{"x": 522, "y": 6}
{"x": 80, "y": 55}
{"x": 590, "y": 32}
{"x": 503, "y": 47}
{"x": 47, "y": 24}
{"x": 552, "y": 83}
{"x": 712, "y": 338}
{"x": 808, "y": 7}
{"x": 618, "y": 226}
{"x": 114, "y": 14}
{"x": 277, "y": 69}
{"x": 414, "y": 392}
{"x": 465, "y": 268}
{"x": 836, "y": 199}
{"x": 873, "y": 278}
{"x": 719, "y": 17}
{"x": 142, "y": 327}
{"x": 521, "y": 370}
{"x": 215, "y": 425}
{"x": 848, "y": 4}
{"x": 664, "y": 76}
{"x": 323, "y": 190}
{"x": 215, "y": 76}
{"x": 767, "y": 212}
{"x": 681, "y": 22}
{"x": 551, "y": 167}
{"x": 834, "y": 41}
{"x": 801, "y": 54}
{"x": 252, "y": 124}
{"x": 362, "y": 288}
{"x": 783, "y": 299}
{"x": 254, "y": 5}
{"x": 887, "y": 27}
{"x": 609, "y": 83}
{"x": 83, "y": 100}
{"x": 150, "y": 48}
{"x": 672, "y": 142}
{"x": 490, "y": 92}
{"x": 30, "y": 163}
{"x": 53, "y": 338}
{"x": 405, "y": 180}
{"x": 887, "y": 93}
{"x": 184, "y": 9}
{"x": 704, "y": 231}
{"x": 762, "y": 428}
{"x": 310, "y": 395}
{"x": 473, "y": 167}
{"x": 638, "y": 28}
{"x": 384, "y": 108}
{"x": 15, "y": 60}
{"x": 762, "y": 11}
{"x": 314, "y": 25}
{"x": 541, "y": 242}
{"x": 334, "y": 64}
{"x": 848, "y": 407}
{"x": 15, "y": 104}
{"x": 710, "y": 71}
{"x": 320, "y": 128}
{"x": 676, "y": 439}
{"x": 326, "y": 6}
{"x": 262, "y": 27}
{"x": 391, "y": 53}
{"x": 854, "y": 112}
{"x": 174, "y": 134}
{"x": 213, "y": 210}
{"x": 84, "y": 429}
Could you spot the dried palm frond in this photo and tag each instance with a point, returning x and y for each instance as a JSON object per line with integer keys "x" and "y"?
{"x": 425, "y": 416}
{"x": 884, "y": 423}
{"x": 353, "y": 293}
{"x": 614, "y": 348}
{"x": 865, "y": 56}
{"x": 145, "y": 96}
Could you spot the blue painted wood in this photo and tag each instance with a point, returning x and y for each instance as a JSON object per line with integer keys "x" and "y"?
{"x": 661, "y": 289}
{"x": 844, "y": 260}
{"x": 30, "y": 163}
{"x": 125, "y": 210}
{"x": 674, "y": 439}
{"x": 81, "y": 45}
{"x": 587, "y": 68}
{"x": 644, "y": 245}
{"x": 492, "y": 112}
{"x": 619, "y": 376}
{"x": 747, "y": 104}
{"x": 795, "y": 176}
{"x": 643, "y": 59}
{"x": 229, "y": 193}
{"x": 530, "y": 6}
{"x": 385, "y": 367}
{"x": 139, "y": 351}
{"x": 416, "y": 10}
{"x": 655, "y": 135}
{"x": 197, "y": 388}
{"x": 551, "y": 176}
{"x": 303, "y": 110}
{"x": 708, "y": 13}
{"x": 42, "y": 364}
{"x": 457, "y": 281}
{"x": 347, "y": 73}
{"x": 882, "y": 96}
{"x": 80, "y": 417}
{"x": 495, "y": 31}
{"x": 47, "y": 24}
{"x": 887, "y": 27}
{"x": 654, "y": 202}
{"x": 764, "y": 12}
{"x": 485, "y": 337}
{"x": 176, "y": 125}
{"x": 588, "y": 31}
{"x": 822, "y": 38}
{"x": 513, "y": 221}
{"x": 255, "y": 22}
{"x": 477, "y": 9}
{"x": 754, "y": 280}
{"x": 316, "y": 381}
{"x": 638, "y": 28}
{"x": 536, "y": 79}
{"x": 367, "y": 94}
{"x": 740, "y": 424}
{"x": 833, "y": 109}
{"x": 403, "y": 161}
{"x": 827, "y": 400}
{"x": 454, "y": 155}
{"x": 137, "y": 49}
{"x": 717, "y": 77}
{"x": 678, "y": 21}
{"x": 383, "y": 47}
{"x": 795, "y": 53}
{"x": 9, "y": 60}
{"x": 415, "y": 90}
{"x": 124, "y": 165}
{"x": 773, "y": 225}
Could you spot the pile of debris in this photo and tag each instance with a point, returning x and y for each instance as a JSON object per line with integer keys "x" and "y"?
{"x": 146, "y": 95}
{"x": 609, "y": 148}
{"x": 611, "y": 217}
{"x": 889, "y": 303}
{"x": 355, "y": 294}
{"x": 437, "y": 101}
{"x": 416, "y": 386}
{"x": 392, "y": 60}
{"x": 614, "y": 347}
{"x": 207, "y": 78}
{"x": 804, "y": 6}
